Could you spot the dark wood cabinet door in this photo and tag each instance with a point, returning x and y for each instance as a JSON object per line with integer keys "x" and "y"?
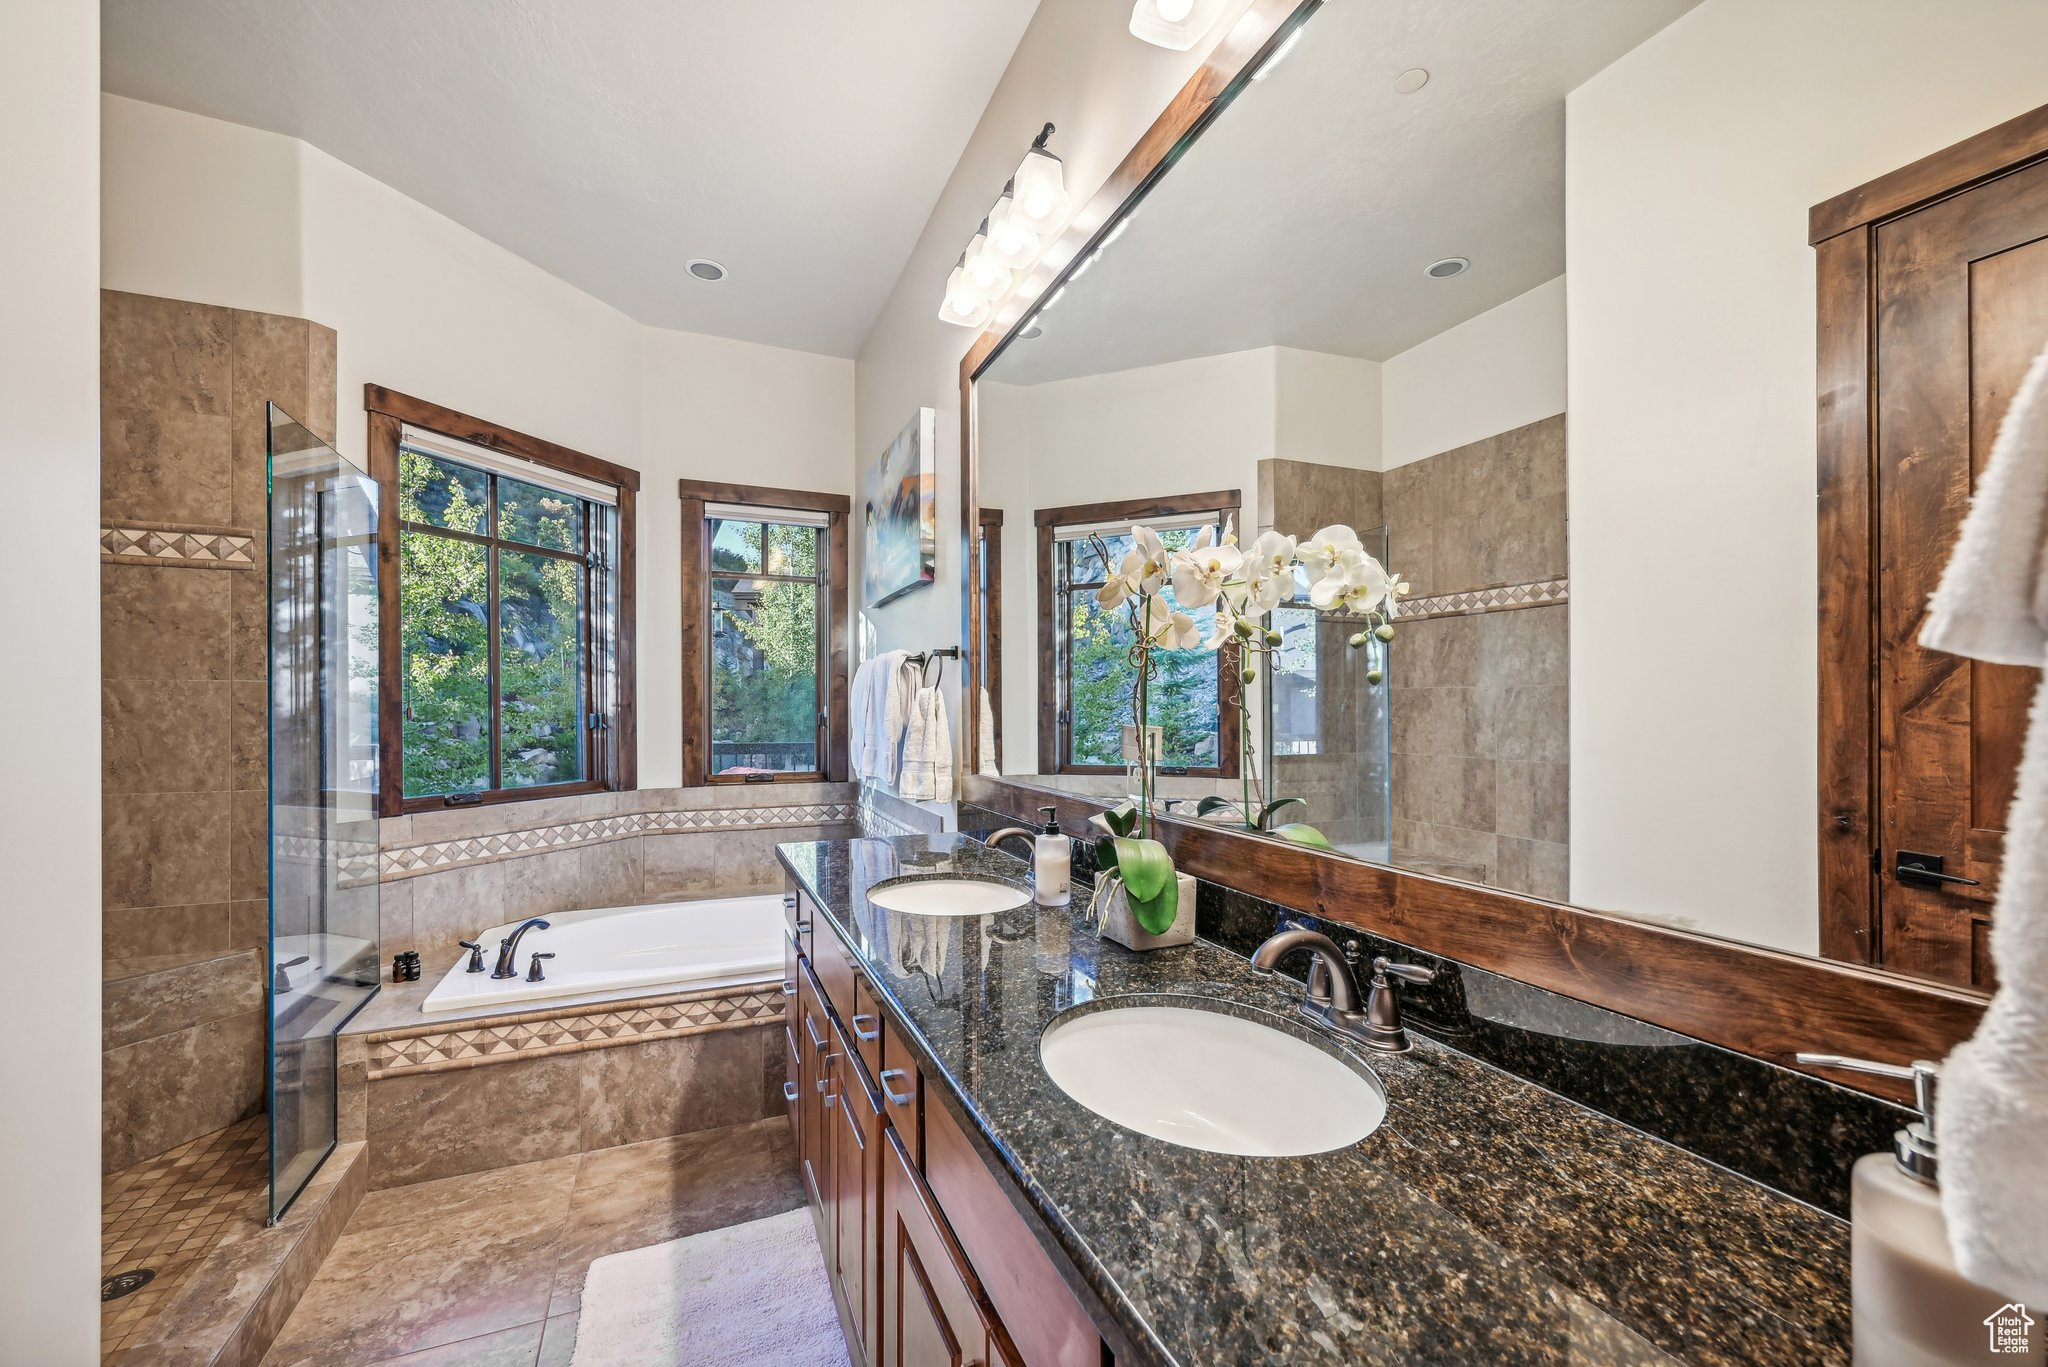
{"x": 931, "y": 1314}
{"x": 814, "y": 1042}
{"x": 1962, "y": 309}
{"x": 792, "y": 1028}
{"x": 855, "y": 1120}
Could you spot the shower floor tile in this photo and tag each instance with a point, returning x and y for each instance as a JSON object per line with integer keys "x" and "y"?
{"x": 168, "y": 1212}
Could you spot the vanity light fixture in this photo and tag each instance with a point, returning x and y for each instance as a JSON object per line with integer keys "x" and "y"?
{"x": 1175, "y": 25}
{"x": 1446, "y": 268}
{"x": 706, "y": 270}
{"x": 986, "y": 274}
{"x": 1033, "y": 207}
{"x": 964, "y": 306}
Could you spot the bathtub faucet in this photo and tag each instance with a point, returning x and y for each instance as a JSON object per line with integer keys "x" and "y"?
{"x": 508, "y": 948}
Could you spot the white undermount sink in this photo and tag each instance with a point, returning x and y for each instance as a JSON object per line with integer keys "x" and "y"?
{"x": 949, "y": 897}
{"x": 1207, "y": 1080}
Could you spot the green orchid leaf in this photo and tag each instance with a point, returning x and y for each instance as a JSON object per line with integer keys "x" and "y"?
{"x": 1157, "y": 916}
{"x": 1149, "y": 883}
{"x": 1121, "y": 820}
{"x": 1105, "y": 854}
{"x": 1214, "y": 804}
{"x": 1266, "y": 813}
{"x": 1303, "y": 834}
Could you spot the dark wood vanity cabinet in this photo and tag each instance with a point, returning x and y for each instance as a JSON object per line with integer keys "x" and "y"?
{"x": 908, "y": 1290}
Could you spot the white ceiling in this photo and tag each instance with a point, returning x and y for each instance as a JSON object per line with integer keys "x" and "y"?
{"x": 1305, "y": 216}
{"x": 800, "y": 142}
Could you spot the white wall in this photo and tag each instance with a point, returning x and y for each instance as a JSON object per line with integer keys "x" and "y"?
{"x": 209, "y": 211}
{"x": 1498, "y": 371}
{"x": 1691, "y": 164}
{"x": 1078, "y": 67}
{"x": 50, "y": 812}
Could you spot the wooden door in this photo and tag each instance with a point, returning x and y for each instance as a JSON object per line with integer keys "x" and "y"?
{"x": 931, "y": 1312}
{"x": 1961, "y": 291}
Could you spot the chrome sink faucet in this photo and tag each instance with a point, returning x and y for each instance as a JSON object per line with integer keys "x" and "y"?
{"x": 1332, "y": 996}
{"x": 1030, "y": 839}
{"x": 508, "y": 948}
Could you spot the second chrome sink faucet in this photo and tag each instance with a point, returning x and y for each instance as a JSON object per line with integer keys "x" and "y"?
{"x": 1333, "y": 992}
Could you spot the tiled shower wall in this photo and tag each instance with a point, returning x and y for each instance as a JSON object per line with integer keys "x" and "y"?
{"x": 449, "y": 874}
{"x": 1479, "y": 670}
{"x": 184, "y": 783}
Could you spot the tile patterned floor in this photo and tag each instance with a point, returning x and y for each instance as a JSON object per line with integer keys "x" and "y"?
{"x": 486, "y": 1270}
{"x": 168, "y": 1212}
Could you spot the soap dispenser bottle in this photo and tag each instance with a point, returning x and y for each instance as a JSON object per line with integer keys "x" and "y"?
{"x": 1052, "y": 862}
{"x": 1910, "y": 1306}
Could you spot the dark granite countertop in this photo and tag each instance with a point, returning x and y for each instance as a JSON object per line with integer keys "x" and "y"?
{"x": 1487, "y": 1221}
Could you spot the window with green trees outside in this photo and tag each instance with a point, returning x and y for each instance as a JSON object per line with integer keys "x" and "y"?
{"x": 504, "y": 594}
{"x": 768, "y": 633}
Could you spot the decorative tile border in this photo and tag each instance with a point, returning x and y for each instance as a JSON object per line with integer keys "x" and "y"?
{"x": 197, "y": 548}
{"x": 569, "y": 1030}
{"x": 1536, "y": 595}
{"x": 409, "y": 861}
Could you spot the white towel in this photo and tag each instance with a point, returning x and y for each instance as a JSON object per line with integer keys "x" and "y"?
{"x": 880, "y": 713}
{"x": 1993, "y": 1102}
{"x": 990, "y": 764}
{"x": 927, "y": 774}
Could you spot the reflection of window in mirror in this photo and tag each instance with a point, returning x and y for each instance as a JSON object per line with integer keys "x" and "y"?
{"x": 1084, "y": 648}
{"x": 990, "y": 646}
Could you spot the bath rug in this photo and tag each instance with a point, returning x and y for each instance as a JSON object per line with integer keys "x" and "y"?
{"x": 752, "y": 1295}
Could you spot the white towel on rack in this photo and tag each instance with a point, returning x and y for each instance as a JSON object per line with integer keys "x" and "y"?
{"x": 1993, "y": 1102}
{"x": 881, "y": 711}
{"x": 927, "y": 774}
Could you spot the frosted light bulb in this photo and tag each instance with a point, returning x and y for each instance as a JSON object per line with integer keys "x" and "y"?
{"x": 964, "y": 306}
{"x": 1039, "y": 200}
{"x": 986, "y": 275}
{"x": 1009, "y": 239}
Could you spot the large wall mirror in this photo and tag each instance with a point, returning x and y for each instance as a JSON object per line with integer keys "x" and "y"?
{"x": 1535, "y": 295}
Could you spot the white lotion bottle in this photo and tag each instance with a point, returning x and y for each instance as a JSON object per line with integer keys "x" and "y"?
{"x": 1910, "y": 1306}
{"x": 1052, "y": 862}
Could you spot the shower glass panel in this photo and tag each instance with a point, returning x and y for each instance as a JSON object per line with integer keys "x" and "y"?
{"x": 1328, "y": 737}
{"x": 323, "y": 785}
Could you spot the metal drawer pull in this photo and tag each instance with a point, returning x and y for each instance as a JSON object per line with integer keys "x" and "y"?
{"x": 803, "y": 927}
{"x": 789, "y": 1092}
{"x": 789, "y": 989}
{"x": 869, "y": 1035}
{"x": 890, "y": 1092}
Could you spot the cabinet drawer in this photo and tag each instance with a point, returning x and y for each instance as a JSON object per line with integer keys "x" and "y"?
{"x": 866, "y": 1025}
{"x": 902, "y": 1089}
{"x": 833, "y": 964}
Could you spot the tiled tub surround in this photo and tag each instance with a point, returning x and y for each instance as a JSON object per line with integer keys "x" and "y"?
{"x": 1489, "y": 1220}
{"x": 437, "y": 1098}
{"x": 447, "y": 875}
{"x": 1793, "y": 1132}
{"x": 184, "y": 658}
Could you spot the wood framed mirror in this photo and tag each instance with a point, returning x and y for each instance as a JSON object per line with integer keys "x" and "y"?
{"x": 1691, "y": 885}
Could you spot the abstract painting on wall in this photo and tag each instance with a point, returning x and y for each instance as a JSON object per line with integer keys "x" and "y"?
{"x": 902, "y": 515}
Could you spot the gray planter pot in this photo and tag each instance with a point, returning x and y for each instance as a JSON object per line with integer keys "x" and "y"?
{"x": 1121, "y": 927}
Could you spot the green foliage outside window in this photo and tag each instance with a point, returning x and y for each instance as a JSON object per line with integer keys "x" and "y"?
{"x": 1184, "y": 698}
{"x": 765, "y": 599}
{"x": 445, "y": 627}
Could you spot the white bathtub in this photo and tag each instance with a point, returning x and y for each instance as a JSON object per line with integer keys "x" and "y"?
{"x": 682, "y": 945}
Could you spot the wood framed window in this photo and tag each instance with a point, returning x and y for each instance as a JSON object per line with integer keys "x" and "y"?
{"x": 1082, "y": 647}
{"x": 505, "y": 590}
{"x": 765, "y": 634}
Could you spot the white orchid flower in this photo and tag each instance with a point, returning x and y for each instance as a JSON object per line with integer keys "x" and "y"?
{"x": 1321, "y": 553}
{"x": 1168, "y": 628}
{"x": 1359, "y": 583}
{"x": 1269, "y": 571}
{"x": 1143, "y": 570}
{"x": 1200, "y": 573}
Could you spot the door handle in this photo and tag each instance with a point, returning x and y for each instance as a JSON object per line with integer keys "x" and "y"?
{"x": 870, "y": 1035}
{"x": 789, "y": 1092}
{"x": 1925, "y": 869}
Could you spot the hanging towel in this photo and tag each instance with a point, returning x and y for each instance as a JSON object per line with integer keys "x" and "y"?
{"x": 1993, "y": 1103}
{"x": 987, "y": 732}
{"x": 881, "y": 711}
{"x": 927, "y": 750}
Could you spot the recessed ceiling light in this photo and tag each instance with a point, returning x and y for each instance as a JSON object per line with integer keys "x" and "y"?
{"x": 707, "y": 270}
{"x": 1411, "y": 80}
{"x": 1446, "y": 268}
